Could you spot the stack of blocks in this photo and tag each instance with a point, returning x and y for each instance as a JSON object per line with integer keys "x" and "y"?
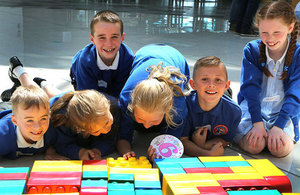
{"x": 13, "y": 180}
{"x": 220, "y": 175}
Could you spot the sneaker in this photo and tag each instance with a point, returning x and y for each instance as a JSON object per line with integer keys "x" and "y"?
{"x": 38, "y": 80}
{"x": 13, "y": 63}
{"x": 6, "y": 95}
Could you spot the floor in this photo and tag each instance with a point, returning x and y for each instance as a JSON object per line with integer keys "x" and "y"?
{"x": 45, "y": 35}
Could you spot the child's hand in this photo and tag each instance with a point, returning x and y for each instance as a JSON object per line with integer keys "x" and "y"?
{"x": 256, "y": 135}
{"x": 85, "y": 154}
{"x": 275, "y": 139}
{"x": 128, "y": 155}
{"x": 151, "y": 153}
{"x": 51, "y": 154}
{"x": 97, "y": 154}
{"x": 217, "y": 149}
{"x": 199, "y": 136}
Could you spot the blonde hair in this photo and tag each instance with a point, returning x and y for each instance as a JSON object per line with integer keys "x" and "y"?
{"x": 278, "y": 10}
{"x": 28, "y": 97}
{"x": 156, "y": 93}
{"x": 79, "y": 109}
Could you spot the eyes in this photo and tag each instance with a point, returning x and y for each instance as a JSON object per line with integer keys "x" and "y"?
{"x": 42, "y": 120}
{"x": 208, "y": 80}
{"x": 114, "y": 37}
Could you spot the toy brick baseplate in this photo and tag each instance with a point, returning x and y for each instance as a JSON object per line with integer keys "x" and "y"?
{"x": 224, "y": 175}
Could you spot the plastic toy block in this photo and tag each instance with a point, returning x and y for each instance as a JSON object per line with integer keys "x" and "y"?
{"x": 215, "y": 170}
{"x": 120, "y": 178}
{"x": 93, "y": 191}
{"x": 171, "y": 171}
{"x": 244, "y": 169}
{"x": 220, "y": 158}
{"x": 169, "y": 166}
{"x": 215, "y": 164}
{"x": 13, "y": 176}
{"x": 237, "y": 176}
{"x": 94, "y": 168}
{"x": 94, "y": 183}
{"x": 290, "y": 193}
{"x": 211, "y": 189}
{"x": 120, "y": 186}
{"x": 146, "y": 177}
{"x": 57, "y": 168}
{"x": 183, "y": 191}
{"x": 254, "y": 192}
{"x": 94, "y": 175}
{"x": 238, "y": 164}
{"x": 127, "y": 192}
{"x": 55, "y": 175}
{"x": 248, "y": 183}
{"x": 265, "y": 167}
{"x": 132, "y": 162}
{"x": 281, "y": 183}
{"x": 57, "y": 163}
{"x": 176, "y": 160}
{"x": 147, "y": 185}
{"x": 134, "y": 170}
{"x": 148, "y": 192}
{"x": 94, "y": 162}
{"x": 191, "y": 165}
{"x": 12, "y": 186}
{"x": 14, "y": 170}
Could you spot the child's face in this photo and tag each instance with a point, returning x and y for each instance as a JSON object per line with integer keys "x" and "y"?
{"x": 210, "y": 83}
{"x": 274, "y": 33}
{"x": 107, "y": 38}
{"x": 148, "y": 119}
{"x": 33, "y": 122}
{"x": 101, "y": 125}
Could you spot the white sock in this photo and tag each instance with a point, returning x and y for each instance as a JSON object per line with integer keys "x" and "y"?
{"x": 18, "y": 71}
{"x": 43, "y": 84}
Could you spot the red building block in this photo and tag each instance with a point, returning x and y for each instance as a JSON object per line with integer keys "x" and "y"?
{"x": 258, "y": 184}
{"x": 214, "y": 170}
{"x": 212, "y": 190}
{"x": 93, "y": 191}
{"x": 94, "y": 162}
{"x": 13, "y": 176}
{"x": 281, "y": 183}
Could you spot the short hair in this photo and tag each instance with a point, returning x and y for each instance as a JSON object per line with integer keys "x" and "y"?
{"x": 106, "y": 16}
{"x": 28, "y": 97}
{"x": 208, "y": 61}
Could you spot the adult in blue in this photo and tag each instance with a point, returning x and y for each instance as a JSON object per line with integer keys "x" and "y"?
{"x": 153, "y": 95}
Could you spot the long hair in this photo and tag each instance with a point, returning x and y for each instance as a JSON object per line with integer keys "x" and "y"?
{"x": 278, "y": 10}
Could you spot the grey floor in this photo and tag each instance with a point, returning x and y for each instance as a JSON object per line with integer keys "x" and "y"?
{"x": 45, "y": 35}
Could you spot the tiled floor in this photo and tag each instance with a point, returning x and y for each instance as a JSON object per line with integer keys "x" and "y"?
{"x": 45, "y": 35}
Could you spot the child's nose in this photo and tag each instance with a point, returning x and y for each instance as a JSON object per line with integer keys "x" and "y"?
{"x": 147, "y": 125}
{"x": 36, "y": 125}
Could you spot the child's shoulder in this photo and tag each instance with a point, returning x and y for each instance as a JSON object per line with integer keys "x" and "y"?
{"x": 229, "y": 104}
{"x": 192, "y": 98}
{"x": 6, "y": 125}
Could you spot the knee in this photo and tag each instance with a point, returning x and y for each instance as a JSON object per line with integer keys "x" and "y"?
{"x": 244, "y": 144}
{"x": 283, "y": 151}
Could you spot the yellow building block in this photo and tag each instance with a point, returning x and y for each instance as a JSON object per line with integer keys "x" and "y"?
{"x": 56, "y": 168}
{"x": 132, "y": 162}
{"x": 146, "y": 177}
{"x": 133, "y": 170}
{"x": 187, "y": 191}
{"x": 244, "y": 169}
{"x": 220, "y": 158}
{"x": 94, "y": 168}
{"x": 265, "y": 167}
{"x": 238, "y": 176}
{"x": 57, "y": 163}
{"x": 290, "y": 193}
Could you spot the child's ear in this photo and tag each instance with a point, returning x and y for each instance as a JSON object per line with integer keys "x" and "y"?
{"x": 227, "y": 85}
{"x": 123, "y": 36}
{"x": 14, "y": 120}
{"x": 192, "y": 83}
{"x": 291, "y": 27}
{"x": 92, "y": 39}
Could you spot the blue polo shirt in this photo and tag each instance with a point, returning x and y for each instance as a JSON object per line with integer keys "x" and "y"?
{"x": 223, "y": 119}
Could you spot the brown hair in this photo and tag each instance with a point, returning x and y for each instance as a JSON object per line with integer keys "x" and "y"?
{"x": 281, "y": 10}
{"x": 208, "y": 61}
{"x": 28, "y": 97}
{"x": 106, "y": 16}
{"x": 78, "y": 109}
{"x": 156, "y": 93}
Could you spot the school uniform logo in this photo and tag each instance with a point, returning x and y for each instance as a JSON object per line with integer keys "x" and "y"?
{"x": 102, "y": 83}
{"x": 220, "y": 130}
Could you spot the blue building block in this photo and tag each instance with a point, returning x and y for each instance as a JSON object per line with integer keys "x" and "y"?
{"x": 238, "y": 164}
{"x": 254, "y": 192}
{"x": 120, "y": 186}
{"x": 120, "y": 178}
{"x": 177, "y": 160}
{"x": 10, "y": 187}
{"x": 215, "y": 164}
{"x": 148, "y": 192}
{"x": 172, "y": 171}
{"x": 94, "y": 183}
{"x": 124, "y": 192}
{"x": 147, "y": 184}
{"x": 191, "y": 165}
{"x": 94, "y": 175}
{"x": 14, "y": 170}
{"x": 169, "y": 166}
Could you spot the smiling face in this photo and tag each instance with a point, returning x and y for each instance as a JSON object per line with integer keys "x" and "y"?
{"x": 146, "y": 118}
{"x": 102, "y": 125}
{"x": 274, "y": 33}
{"x": 107, "y": 37}
{"x": 210, "y": 83}
{"x": 32, "y": 122}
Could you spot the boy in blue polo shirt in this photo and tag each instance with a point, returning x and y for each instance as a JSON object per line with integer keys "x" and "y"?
{"x": 104, "y": 64}
{"x": 213, "y": 118}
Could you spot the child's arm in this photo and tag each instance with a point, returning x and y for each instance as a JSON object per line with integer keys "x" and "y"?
{"x": 256, "y": 135}
{"x": 192, "y": 149}
{"x": 86, "y": 154}
{"x": 51, "y": 154}
{"x": 124, "y": 148}
{"x": 210, "y": 143}
{"x": 199, "y": 137}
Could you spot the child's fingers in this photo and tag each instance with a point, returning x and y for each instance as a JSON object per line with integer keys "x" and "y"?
{"x": 150, "y": 148}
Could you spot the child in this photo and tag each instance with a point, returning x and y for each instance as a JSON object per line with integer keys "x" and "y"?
{"x": 212, "y": 118}
{"x": 159, "y": 74}
{"x": 24, "y": 129}
{"x": 269, "y": 95}
{"x": 79, "y": 118}
{"x": 105, "y": 64}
